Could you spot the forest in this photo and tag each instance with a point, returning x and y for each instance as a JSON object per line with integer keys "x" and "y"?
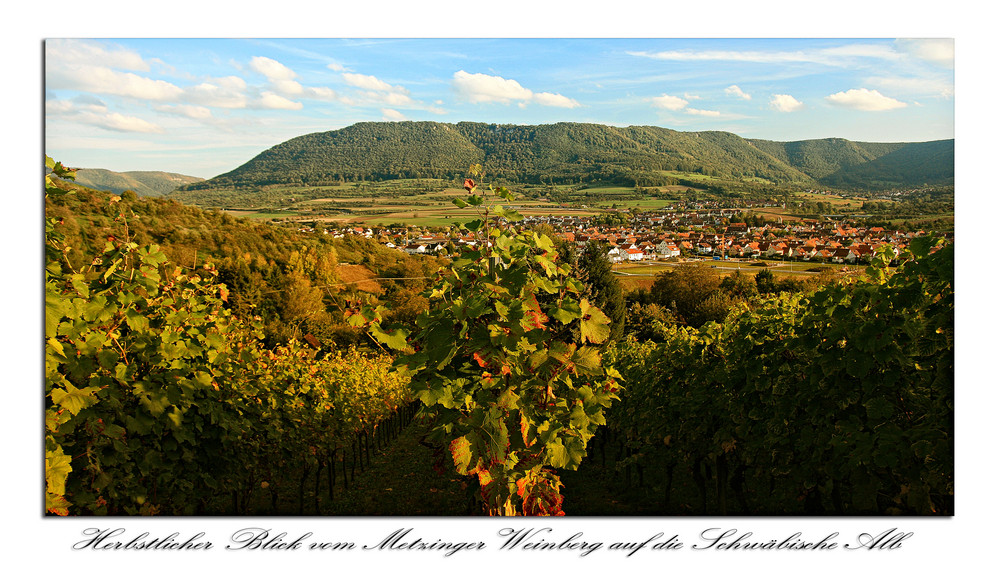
{"x": 583, "y": 153}
{"x": 197, "y": 363}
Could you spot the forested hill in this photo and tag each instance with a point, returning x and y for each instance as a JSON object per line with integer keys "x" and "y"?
{"x": 582, "y": 152}
{"x": 143, "y": 183}
{"x": 839, "y": 162}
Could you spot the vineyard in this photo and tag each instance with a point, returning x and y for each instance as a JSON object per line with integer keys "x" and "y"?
{"x": 839, "y": 402}
{"x": 160, "y": 400}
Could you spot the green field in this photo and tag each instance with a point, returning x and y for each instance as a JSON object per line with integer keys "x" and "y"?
{"x": 651, "y": 268}
{"x": 428, "y": 202}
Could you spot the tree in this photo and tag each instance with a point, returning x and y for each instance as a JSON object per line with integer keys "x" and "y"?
{"x": 765, "y": 281}
{"x": 739, "y": 285}
{"x": 594, "y": 270}
{"x": 682, "y": 289}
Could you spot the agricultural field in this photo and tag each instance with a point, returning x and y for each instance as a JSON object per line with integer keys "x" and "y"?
{"x": 416, "y": 202}
{"x": 641, "y": 274}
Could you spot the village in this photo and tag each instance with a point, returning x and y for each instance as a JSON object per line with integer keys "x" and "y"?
{"x": 663, "y": 235}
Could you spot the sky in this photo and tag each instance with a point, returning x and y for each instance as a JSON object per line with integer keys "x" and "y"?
{"x": 203, "y": 107}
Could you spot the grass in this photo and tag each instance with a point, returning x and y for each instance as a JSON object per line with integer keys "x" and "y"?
{"x": 606, "y": 190}
{"x": 270, "y": 215}
{"x": 641, "y": 203}
{"x": 690, "y": 176}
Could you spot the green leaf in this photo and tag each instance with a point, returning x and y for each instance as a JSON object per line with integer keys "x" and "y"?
{"x": 107, "y": 358}
{"x": 460, "y": 203}
{"x": 57, "y": 470}
{"x": 74, "y": 399}
{"x": 395, "y": 339}
{"x": 594, "y": 325}
{"x": 542, "y": 241}
{"x": 567, "y": 311}
{"x": 176, "y": 416}
{"x": 878, "y": 409}
{"x": 155, "y": 402}
{"x": 578, "y": 417}
{"x": 461, "y": 454}
{"x": 509, "y": 214}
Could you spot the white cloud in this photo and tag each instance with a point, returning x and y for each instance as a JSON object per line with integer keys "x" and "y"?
{"x": 321, "y": 92}
{"x": 785, "y": 103}
{"x": 193, "y": 112}
{"x": 915, "y": 86}
{"x": 119, "y": 122}
{"x": 485, "y": 88}
{"x": 437, "y": 111}
{"x": 336, "y": 67}
{"x": 707, "y": 113}
{"x": 227, "y": 92}
{"x": 97, "y": 114}
{"x": 91, "y": 53}
{"x": 691, "y": 96}
{"x": 368, "y": 82}
{"x": 58, "y": 107}
{"x": 389, "y": 114}
{"x": 557, "y": 100}
{"x": 104, "y": 80}
{"x": 738, "y": 92}
{"x": 834, "y": 56}
{"x": 287, "y": 87}
{"x": 864, "y": 99}
{"x": 862, "y": 50}
{"x": 938, "y": 51}
{"x": 387, "y": 98}
{"x": 281, "y": 80}
{"x": 229, "y": 82}
{"x": 84, "y": 103}
{"x": 668, "y": 102}
{"x": 272, "y": 69}
{"x": 272, "y": 101}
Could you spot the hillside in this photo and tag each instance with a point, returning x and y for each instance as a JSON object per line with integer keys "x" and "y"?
{"x": 839, "y": 162}
{"x": 143, "y": 183}
{"x": 579, "y": 153}
{"x": 360, "y": 152}
{"x": 296, "y": 282}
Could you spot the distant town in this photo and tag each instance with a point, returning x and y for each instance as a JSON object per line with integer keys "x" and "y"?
{"x": 659, "y": 235}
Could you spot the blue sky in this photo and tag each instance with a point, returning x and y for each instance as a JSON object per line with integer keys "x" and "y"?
{"x": 205, "y": 106}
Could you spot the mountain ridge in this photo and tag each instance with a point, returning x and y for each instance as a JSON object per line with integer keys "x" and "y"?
{"x": 142, "y": 182}
{"x": 581, "y": 152}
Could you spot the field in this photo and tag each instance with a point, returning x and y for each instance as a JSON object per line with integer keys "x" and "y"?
{"x": 415, "y": 202}
{"x": 641, "y": 274}
{"x": 428, "y": 202}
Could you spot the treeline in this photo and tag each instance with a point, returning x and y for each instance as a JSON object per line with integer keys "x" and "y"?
{"x": 692, "y": 295}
